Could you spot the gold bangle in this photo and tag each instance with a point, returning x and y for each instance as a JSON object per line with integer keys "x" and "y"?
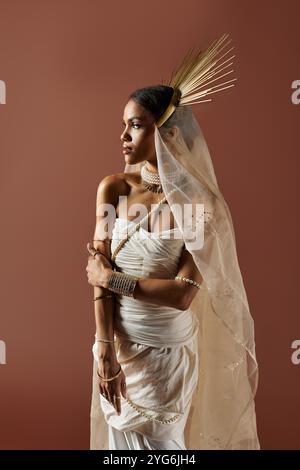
{"x": 112, "y": 378}
{"x": 106, "y": 340}
{"x": 103, "y": 297}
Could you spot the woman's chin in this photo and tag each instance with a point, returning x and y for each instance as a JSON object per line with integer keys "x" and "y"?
{"x": 129, "y": 158}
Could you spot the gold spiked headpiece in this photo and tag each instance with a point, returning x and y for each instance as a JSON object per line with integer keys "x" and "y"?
{"x": 195, "y": 73}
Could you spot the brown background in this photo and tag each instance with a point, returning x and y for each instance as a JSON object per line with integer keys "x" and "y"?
{"x": 69, "y": 66}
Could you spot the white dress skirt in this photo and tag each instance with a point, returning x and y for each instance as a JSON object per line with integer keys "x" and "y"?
{"x": 157, "y": 347}
{"x": 132, "y": 440}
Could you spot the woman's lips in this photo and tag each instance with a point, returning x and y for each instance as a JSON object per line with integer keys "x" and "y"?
{"x": 127, "y": 150}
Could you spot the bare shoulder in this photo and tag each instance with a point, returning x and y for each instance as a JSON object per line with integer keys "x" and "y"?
{"x": 111, "y": 187}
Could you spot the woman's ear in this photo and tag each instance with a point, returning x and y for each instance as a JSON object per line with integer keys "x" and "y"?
{"x": 171, "y": 133}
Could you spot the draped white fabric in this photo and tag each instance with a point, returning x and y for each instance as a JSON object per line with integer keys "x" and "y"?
{"x": 157, "y": 345}
{"x": 132, "y": 440}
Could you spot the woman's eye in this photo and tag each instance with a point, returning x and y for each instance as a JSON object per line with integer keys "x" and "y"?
{"x": 136, "y": 126}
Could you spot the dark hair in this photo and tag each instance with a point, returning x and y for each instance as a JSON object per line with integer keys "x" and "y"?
{"x": 154, "y": 99}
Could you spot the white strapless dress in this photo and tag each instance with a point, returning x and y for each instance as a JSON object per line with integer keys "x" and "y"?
{"x": 157, "y": 345}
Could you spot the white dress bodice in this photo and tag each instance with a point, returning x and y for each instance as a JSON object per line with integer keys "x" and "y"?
{"x": 149, "y": 255}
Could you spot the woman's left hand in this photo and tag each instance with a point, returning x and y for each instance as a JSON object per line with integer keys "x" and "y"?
{"x": 99, "y": 269}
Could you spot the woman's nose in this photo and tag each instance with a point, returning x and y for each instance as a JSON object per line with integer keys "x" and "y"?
{"x": 125, "y": 136}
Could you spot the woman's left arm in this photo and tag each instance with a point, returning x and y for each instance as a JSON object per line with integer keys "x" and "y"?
{"x": 171, "y": 292}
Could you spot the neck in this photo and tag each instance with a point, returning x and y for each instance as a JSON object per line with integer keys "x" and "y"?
{"x": 151, "y": 167}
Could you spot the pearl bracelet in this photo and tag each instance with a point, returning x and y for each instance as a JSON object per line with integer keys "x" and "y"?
{"x": 190, "y": 281}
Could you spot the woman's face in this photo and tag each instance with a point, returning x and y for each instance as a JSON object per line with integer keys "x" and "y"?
{"x": 138, "y": 134}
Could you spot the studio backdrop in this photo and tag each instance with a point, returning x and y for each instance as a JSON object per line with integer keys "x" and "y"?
{"x": 66, "y": 70}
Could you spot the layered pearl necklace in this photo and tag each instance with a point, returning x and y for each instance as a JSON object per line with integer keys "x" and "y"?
{"x": 151, "y": 181}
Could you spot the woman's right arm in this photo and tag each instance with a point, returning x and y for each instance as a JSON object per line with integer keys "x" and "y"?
{"x": 108, "y": 192}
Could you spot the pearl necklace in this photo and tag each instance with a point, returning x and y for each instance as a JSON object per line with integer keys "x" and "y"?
{"x": 151, "y": 181}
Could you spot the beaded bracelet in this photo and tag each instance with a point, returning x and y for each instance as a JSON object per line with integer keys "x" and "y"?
{"x": 190, "y": 281}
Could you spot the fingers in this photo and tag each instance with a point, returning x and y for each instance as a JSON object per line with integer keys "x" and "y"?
{"x": 112, "y": 390}
{"x": 88, "y": 266}
{"x": 102, "y": 392}
{"x": 92, "y": 252}
{"x": 90, "y": 248}
{"x": 117, "y": 403}
{"x": 115, "y": 396}
{"x": 112, "y": 393}
{"x": 123, "y": 388}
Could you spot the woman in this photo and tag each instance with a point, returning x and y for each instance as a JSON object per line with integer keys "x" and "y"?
{"x": 174, "y": 352}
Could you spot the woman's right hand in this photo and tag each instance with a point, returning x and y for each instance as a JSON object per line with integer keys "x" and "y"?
{"x": 114, "y": 388}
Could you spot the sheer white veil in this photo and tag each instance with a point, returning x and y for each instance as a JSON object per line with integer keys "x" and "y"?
{"x": 223, "y": 412}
